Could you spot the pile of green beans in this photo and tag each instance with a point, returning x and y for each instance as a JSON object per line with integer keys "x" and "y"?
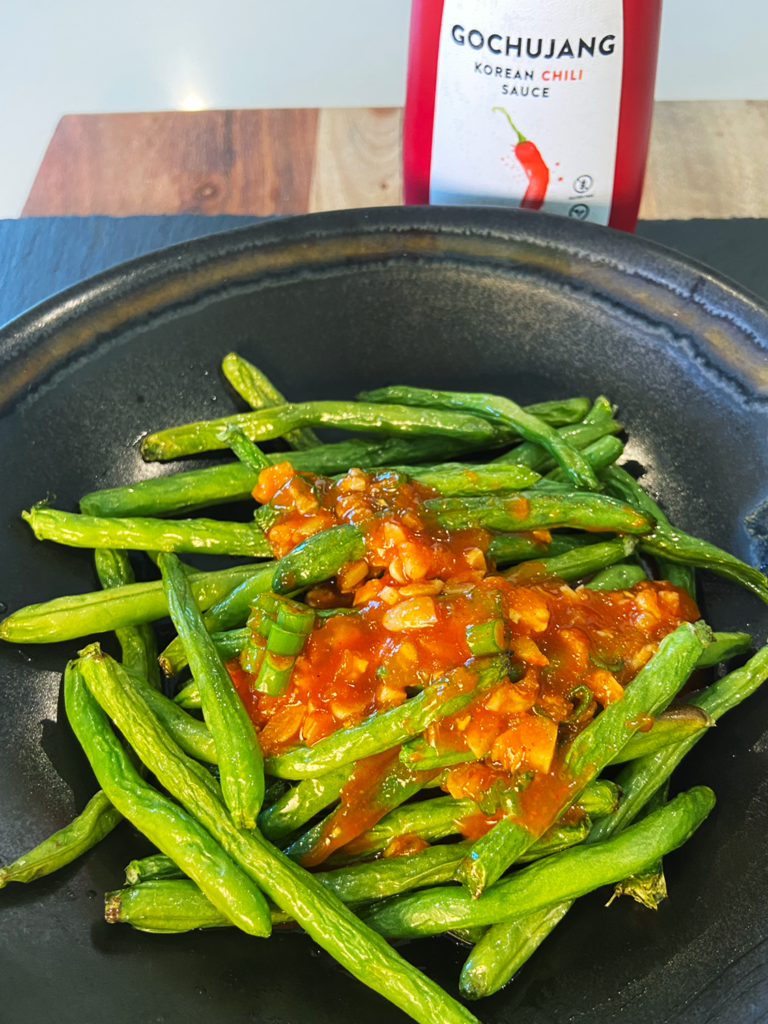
{"x": 235, "y": 831}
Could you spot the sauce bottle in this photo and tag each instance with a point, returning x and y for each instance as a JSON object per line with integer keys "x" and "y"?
{"x": 538, "y": 104}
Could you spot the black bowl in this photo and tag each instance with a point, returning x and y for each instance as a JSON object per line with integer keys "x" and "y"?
{"x": 525, "y": 305}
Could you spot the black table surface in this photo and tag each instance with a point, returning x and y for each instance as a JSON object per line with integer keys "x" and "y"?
{"x": 40, "y": 256}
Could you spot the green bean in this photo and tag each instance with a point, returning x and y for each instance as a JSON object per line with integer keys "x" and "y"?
{"x": 390, "y": 876}
{"x": 228, "y": 643}
{"x": 579, "y": 436}
{"x": 193, "y": 736}
{"x": 442, "y": 816}
{"x": 620, "y": 484}
{"x": 677, "y": 547}
{"x": 247, "y": 452}
{"x": 66, "y": 618}
{"x": 302, "y": 802}
{"x": 452, "y": 479}
{"x": 175, "y": 832}
{"x": 540, "y": 510}
{"x": 521, "y": 547}
{"x": 237, "y": 746}
{"x": 268, "y": 423}
{"x": 641, "y": 778}
{"x": 429, "y": 819}
{"x": 723, "y": 647}
{"x": 602, "y": 410}
{"x": 294, "y": 890}
{"x": 204, "y": 535}
{"x": 509, "y": 415}
{"x": 151, "y": 869}
{"x": 556, "y": 413}
{"x": 573, "y": 564}
{"x": 422, "y": 754}
{"x": 168, "y": 906}
{"x": 199, "y": 488}
{"x": 679, "y": 722}
{"x": 554, "y": 879}
{"x": 189, "y": 696}
{"x": 390, "y": 728}
{"x": 96, "y": 821}
{"x": 617, "y": 577}
{"x": 600, "y": 454}
{"x": 591, "y": 751}
{"x": 318, "y": 558}
{"x": 398, "y": 783}
{"x": 155, "y": 905}
{"x": 136, "y": 642}
{"x": 503, "y": 949}
{"x": 260, "y": 393}
{"x": 233, "y": 609}
{"x": 357, "y": 883}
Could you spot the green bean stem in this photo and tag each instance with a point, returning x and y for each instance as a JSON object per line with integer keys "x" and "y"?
{"x": 650, "y": 886}
{"x": 237, "y": 746}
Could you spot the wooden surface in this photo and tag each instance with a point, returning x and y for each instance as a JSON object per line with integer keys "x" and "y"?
{"x": 707, "y": 159}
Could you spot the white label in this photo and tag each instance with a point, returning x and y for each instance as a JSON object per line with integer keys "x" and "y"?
{"x": 554, "y": 68}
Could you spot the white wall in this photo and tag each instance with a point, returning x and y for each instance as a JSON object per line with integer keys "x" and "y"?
{"x": 77, "y": 56}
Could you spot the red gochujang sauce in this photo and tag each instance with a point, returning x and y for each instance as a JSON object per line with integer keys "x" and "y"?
{"x": 409, "y": 603}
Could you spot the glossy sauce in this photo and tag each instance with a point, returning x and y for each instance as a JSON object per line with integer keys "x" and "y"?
{"x": 411, "y": 600}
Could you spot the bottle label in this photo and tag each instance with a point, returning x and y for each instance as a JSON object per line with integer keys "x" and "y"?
{"x": 527, "y": 105}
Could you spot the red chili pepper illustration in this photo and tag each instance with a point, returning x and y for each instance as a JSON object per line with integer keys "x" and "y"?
{"x": 533, "y": 164}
